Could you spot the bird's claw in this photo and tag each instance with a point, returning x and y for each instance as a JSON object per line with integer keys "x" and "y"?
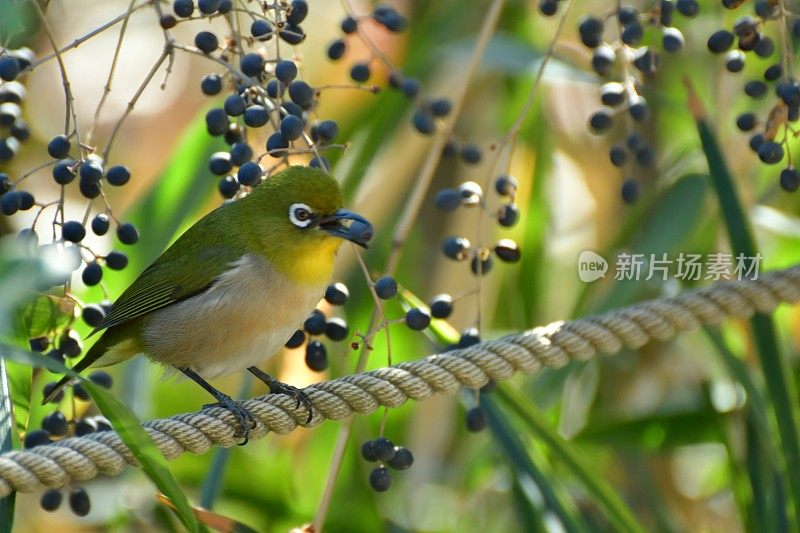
{"x": 278, "y": 387}
{"x": 243, "y": 417}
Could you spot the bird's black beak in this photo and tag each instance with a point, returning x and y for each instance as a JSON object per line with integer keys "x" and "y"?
{"x": 358, "y": 230}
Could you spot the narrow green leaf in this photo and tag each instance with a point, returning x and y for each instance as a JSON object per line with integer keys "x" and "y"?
{"x": 777, "y": 372}
{"x": 604, "y": 496}
{"x": 522, "y": 466}
{"x": 144, "y": 450}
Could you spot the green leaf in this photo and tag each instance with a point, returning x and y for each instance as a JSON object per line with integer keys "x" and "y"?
{"x": 43, "y": 315}
{"x": 143, "y": 449}
{"x": 777, "y": 372}
{"x": 603, "y": 494}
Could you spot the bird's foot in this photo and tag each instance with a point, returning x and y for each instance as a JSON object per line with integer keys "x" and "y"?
{"x": 279, "y": 387}
{"x": 243, "y": 417}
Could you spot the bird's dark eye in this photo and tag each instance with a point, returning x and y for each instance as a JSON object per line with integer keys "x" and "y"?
{"x": 301, "y": 215}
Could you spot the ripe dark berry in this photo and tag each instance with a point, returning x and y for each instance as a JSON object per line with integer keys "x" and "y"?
{"x": 116, "y": 260}
{"x": 508, "y": 251}
{"x": 51, "y": 499}
{"x": 618, "y": 155}
{"x": 286, "y": 71}
{"x": 79, "y": 502}
{"x": 411, "y": 87}
{"x": 336, "y": 329}
{"x": 301, "y": 94}
{"x": 603, "y": 59}
{"x": 441, "y": 306}
{"x": 296, "y": 340}
{"x": 386, "y": 287}
{"x": 688, "y": 8}
{"x": 336, "y": 49}
{"x": 746, "y": 121}
{"x": 418, "y": 319}
{"x": 298, "y": 12}
{"x": 402, "y": 459}
{"x": 349, "y": 25}
{"x": 101, "y": 378}
{"x": 316, "y": 356}
{"x": 360, "y": 72}
{"x": 471, "y": 154}
{"x": 234, "y": 105}
{"x": 476, "y": 420}
{"x": 292, "y": 34}
{"x": 324, "y": 164}
{"x": 277, "y": 145}
{"x": 548, "y": 8}
{"x": 384, "y": 448}
{"x": 601, "y": 120}
{"x": 764, "y": 47}
{"x": 672, "y": 40}
{"x": 368, "y": 451}
{"x": 291, "y": 127}
{"x": 469, "y": 337}
{"x": 638, "y": 109}
{"x": 48, "y": 388}
{"x": 73, "y": 231}
{"x": 790, "y": 179}
{"x": 252, "y": 64}
{"x": 118, "y": 175}
{"x": 755, "y": 88}
{"x": 92, "y": 274}
{"x": 183, "y": 8}
{"x": 256, "y": 116}
{"x": 770, "y": 152}
{"x": 632, "y": 34}
{"x": 481, "y": 264}
{"x": 167, "y": 21}
{"x": 720, "y": 41}
{"x": 55, "y": 424}
{"x": 591, "y": 31}
{"x": 206, "y": 41}
{"x": 10, "y": 203}
{"x": 506, "y": 185}
{"x": 9, "y": 68}
{"x": 630, "y": 191}
{"x": 79, "y": 392}
{"x": 93, "y": 315}
{"x": 64, "y": 171}
{"x": 84, "y": 426}
{"x": 447, "y": 200}
{"x": 58, "y": 147}
{"x": 249, "y": 174}
{"x": 423, "y": 122}
{"x": 380, "y": 479}
{"x": 39, "y": 344}
{"x": 208, "y": 7}
{"x": 261, "y": 30}
{"x": 26, "y": 200}
{"x": 455, "y": 248}
{"x": 290, "y": 108}
{"x": 127, "y": 233}
{"x": 211, "y": 84}
{"x": 35, "y": 438}
{"x": 337, "y": 293}
{"x": 627, "y": 15}
{"x": 440, "y": 107}
{"x": 326, "y": 131}
{"x": 756, "y": 141}
{"x": 240, "y": 153}
{"x": 508, "y": 215}
{"x": 217, "y": 121}
{"x": 315, "y": 323}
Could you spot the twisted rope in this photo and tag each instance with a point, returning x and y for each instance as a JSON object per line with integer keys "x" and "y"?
{"x": 82, "y": 458}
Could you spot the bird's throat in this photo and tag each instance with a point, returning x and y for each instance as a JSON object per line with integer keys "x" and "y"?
{"x": 309, "y": 263}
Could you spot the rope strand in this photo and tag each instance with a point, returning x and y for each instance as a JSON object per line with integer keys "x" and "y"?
{"x": 83, "y": 458}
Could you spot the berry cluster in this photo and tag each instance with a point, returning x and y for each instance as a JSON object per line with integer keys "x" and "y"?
{"x": 386, "y": 454}
{"x": 470, "y": 194}
{"x": 770, "y": 136}
{"x": 13, "y": 129}
{"x": 79, "y": 502}
{"x": 629, "y": 64}
{"x": 317, "y": 324}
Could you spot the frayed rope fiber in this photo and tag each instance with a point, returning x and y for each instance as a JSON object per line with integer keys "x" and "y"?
{"x": 83, "y": 458}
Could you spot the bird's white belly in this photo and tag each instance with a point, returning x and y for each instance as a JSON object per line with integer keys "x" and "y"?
{"x": 245, "y": 317}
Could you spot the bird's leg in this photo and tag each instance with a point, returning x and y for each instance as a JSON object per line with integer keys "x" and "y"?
{"x": 278, "y": 387}
{"x": 243, "y": 416}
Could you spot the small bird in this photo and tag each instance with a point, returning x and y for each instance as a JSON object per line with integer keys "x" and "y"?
{"x": 232, "y": 289}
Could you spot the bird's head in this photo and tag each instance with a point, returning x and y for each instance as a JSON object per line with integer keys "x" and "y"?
{"x": 300, "y": 219}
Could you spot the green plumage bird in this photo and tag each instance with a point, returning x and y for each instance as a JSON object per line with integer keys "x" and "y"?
{"x": 235, "y": 286}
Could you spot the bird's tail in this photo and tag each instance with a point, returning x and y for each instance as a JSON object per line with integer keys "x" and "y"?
{"x": 111, "y": 348}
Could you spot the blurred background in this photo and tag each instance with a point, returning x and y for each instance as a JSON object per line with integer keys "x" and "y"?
{"x": 666, "y": 428}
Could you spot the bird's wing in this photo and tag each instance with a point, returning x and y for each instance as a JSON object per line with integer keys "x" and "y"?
{"x": 183, "y": 270}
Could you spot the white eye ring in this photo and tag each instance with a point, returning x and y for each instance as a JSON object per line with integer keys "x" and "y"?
{"x": 301, "y": 215}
